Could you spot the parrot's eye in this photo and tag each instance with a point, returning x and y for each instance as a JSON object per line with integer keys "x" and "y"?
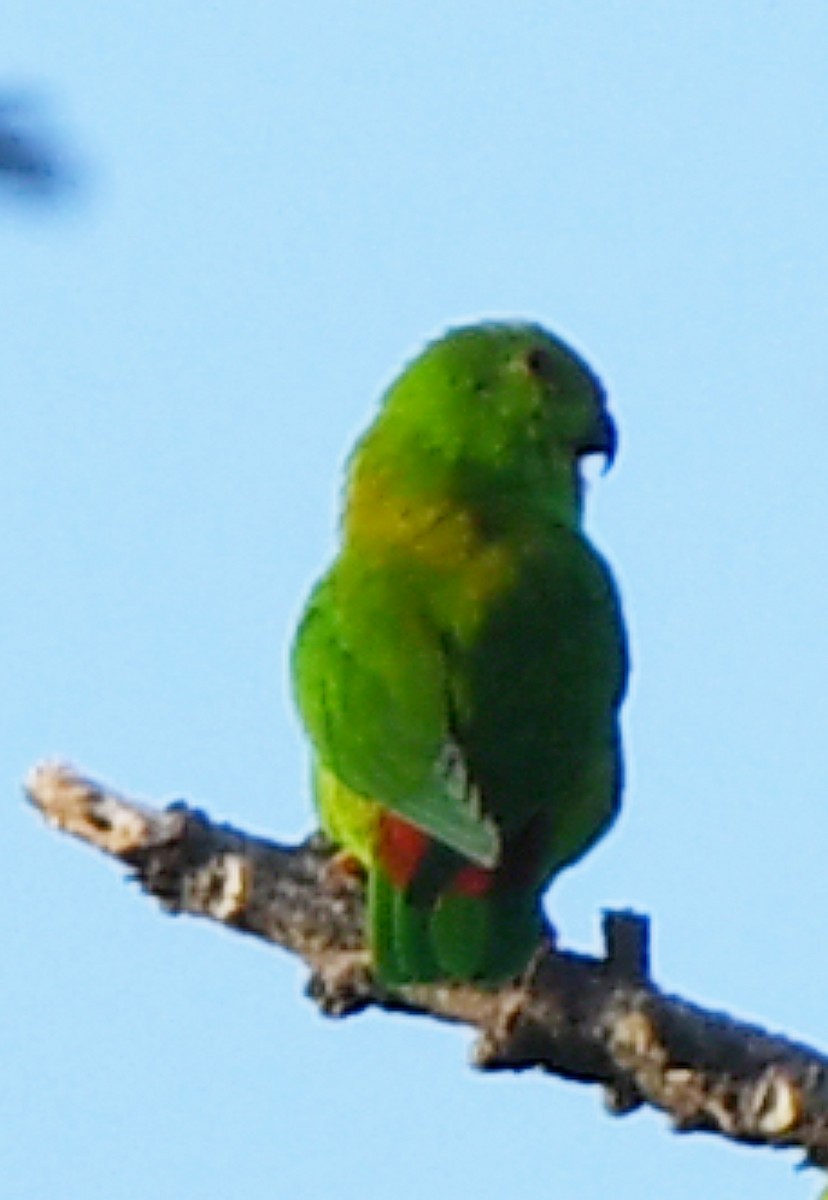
{"x": 540, "y": 363}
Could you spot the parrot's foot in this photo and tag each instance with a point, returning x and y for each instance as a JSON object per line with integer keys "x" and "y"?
{"x": 343, "y": 873}
{"x": 343, "y": 984}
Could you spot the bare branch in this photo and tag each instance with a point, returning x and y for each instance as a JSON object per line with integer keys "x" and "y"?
{"x": 593, "y": 1020}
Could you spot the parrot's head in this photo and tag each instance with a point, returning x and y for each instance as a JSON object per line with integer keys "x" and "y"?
{"x": 507, "y": 402}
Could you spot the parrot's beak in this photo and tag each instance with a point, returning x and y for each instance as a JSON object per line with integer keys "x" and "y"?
{"x": 603, "y": 439}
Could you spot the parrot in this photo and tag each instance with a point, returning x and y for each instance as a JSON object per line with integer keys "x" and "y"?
{"x": 460, "y": 667}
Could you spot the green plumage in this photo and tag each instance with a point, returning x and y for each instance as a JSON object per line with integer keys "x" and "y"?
{"x": 460, "y": 667}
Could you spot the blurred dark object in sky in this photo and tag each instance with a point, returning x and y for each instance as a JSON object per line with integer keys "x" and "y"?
{"x": 31, "y": 162}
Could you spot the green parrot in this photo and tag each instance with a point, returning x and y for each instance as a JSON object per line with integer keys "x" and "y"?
{"x": 460, "y": 667}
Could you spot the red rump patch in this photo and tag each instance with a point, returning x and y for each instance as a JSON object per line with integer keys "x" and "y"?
{"x": 473, "y": 881}
{"x": 400, "y": 849}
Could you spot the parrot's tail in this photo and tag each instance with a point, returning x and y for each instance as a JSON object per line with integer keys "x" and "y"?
{"x": 434, "y": 916}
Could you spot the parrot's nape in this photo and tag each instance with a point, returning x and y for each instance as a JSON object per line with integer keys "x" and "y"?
{"x": 460, "y": 667}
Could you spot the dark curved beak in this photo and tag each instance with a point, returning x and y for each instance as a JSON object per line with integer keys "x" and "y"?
{"x": 603, "y": 439}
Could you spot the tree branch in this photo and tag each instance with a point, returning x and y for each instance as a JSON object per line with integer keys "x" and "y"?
{"x": 593, "y": 1020}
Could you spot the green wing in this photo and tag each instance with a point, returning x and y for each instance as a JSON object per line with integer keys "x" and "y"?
{"x": 522, "y": 714}
{"x": 372, "y": 683}
{"x": 542, "y": 683}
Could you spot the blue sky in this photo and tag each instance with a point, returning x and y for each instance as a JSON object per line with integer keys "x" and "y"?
{"x": 277, "y": 205}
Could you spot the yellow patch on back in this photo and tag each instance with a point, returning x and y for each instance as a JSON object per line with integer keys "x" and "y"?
{"x": 439, "y": 534}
